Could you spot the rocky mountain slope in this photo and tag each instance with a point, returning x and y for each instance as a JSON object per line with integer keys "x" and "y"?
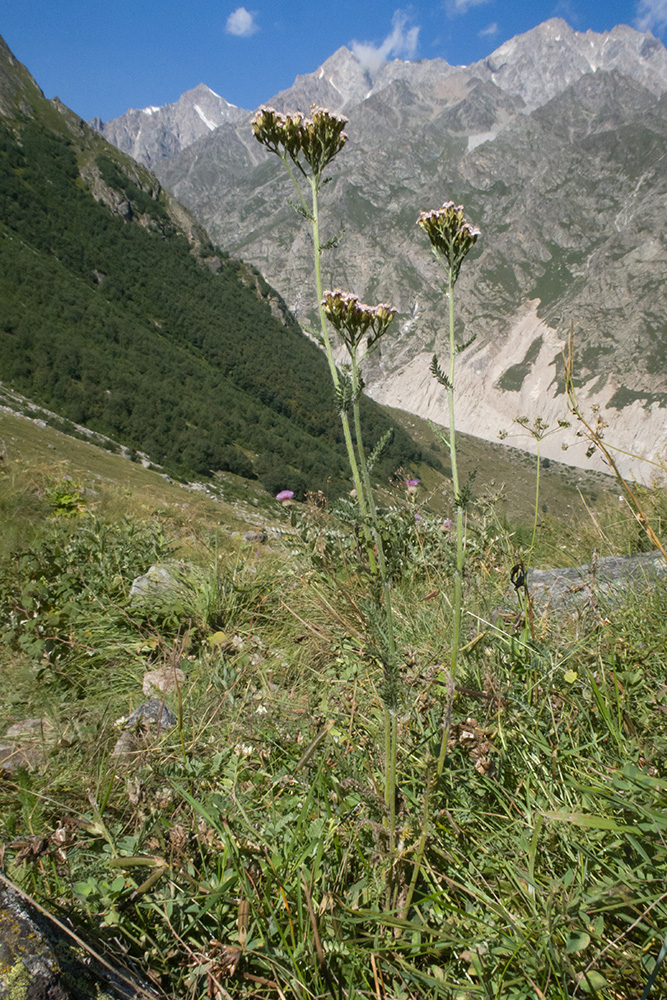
{"x": 555, "y": 144}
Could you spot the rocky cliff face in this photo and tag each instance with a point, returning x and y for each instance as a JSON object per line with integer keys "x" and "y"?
{"x": 555, "y": 145}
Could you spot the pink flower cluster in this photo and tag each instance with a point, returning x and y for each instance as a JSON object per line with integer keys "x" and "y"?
{"x": 354, "y": 319}
{"x": 449, "y": 233}
{"x": 317, "y": 139}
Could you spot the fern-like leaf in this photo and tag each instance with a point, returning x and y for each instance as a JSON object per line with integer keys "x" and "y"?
{"x": 300, "y": 210}
{"x": 437, "y": 373}
{"x": 462, "y": 347}
{"x": 380, "y": 448}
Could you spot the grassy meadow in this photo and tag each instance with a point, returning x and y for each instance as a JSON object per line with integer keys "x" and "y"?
{"x": 244, "y": 852}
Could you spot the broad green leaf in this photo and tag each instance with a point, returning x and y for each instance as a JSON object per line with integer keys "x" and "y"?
{"x": 577, "y": 941}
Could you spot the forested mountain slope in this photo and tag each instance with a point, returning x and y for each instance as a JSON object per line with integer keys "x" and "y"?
{"x": 119, "y": 313}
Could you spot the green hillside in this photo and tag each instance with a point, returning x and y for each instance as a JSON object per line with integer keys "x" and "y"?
{"x": 118, "y": 313}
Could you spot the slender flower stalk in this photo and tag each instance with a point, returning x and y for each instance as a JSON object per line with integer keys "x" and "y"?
{"x": 306, "y": 146}
{"x": 355, "y": 322}
{"x": 309, "y": 145}
{"x": 452, "y": 238}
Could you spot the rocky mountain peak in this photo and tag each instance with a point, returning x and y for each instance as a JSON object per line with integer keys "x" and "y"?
{"x": 544, "y": 61}
{"x": 153, "y": 134}
{"x": 340, "y": 80}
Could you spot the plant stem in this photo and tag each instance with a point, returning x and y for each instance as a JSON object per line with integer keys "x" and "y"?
{"x": 317, "y": 249}
{"x": 313, "y": 215}
{"x": 458, "y": 571}
{"x": 391, "y": 722}
{"x": 537, "y": 502}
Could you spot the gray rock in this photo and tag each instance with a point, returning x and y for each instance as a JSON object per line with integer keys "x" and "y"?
{"x": 40, "y": 961}
{"x": 153, "y": 713}
{"x": 607, "y": 581}
{"x": 146, "y": 724}
{"x": 13, "y": 757}
{"x": 162, "y": 581}
{"x": 28, "y": 744}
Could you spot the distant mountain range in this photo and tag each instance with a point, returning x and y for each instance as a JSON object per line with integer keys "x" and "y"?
{"x": 556, "y": 144}
{"x": 118, "y": 313}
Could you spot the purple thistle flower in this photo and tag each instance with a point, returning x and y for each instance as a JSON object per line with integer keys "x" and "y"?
{"x": 285, "y": 495}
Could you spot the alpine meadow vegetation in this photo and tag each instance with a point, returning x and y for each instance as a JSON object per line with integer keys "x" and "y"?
{"x": 390, "y": 774}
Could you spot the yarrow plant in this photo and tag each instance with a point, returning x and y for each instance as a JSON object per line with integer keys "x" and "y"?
{"x": 315, "y": 140}
{"x": 354, "y": 320}
{"x": 307, "y": 146}
{"x": 452, "y": 238}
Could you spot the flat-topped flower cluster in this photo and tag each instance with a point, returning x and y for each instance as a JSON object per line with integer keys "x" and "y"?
{"x": 354, "y": 320}
{"x": 450, "y": 234}
{"x": 317, "y": 139}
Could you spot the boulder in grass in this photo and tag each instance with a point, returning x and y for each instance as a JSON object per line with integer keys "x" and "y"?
{"x": 27, "y": 744}
{"x": 606, "y": 581}
{"x": 40, "y": 960}
{"x": 163, "y": 582}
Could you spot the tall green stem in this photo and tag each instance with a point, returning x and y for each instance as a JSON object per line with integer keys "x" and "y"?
{"x": 317, "y": 248}
{"x": 313, "y": 214}
{"x": 458, "y": 571}
{"x": 391, "y": 722}
{"x": 537, "y": 502}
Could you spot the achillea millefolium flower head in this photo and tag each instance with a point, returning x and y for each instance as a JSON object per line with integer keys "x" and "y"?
{"x": 317, "y": 139}
{"x": 450, "y": 235}
{"x": 354, "y": 319}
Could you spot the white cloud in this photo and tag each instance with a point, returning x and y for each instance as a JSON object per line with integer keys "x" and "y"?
{"x": 491, "y": 29}
{"x": 241, "y": 22}
{"x": 651, "y": 16}
{"x": 401, "y": 42}
{"x": 454, "y": 7}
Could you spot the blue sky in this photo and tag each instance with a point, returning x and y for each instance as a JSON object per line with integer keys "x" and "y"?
{"x": 101, "y": 57}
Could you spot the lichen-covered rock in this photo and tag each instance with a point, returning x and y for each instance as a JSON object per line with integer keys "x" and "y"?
{"x": 40, "y": 961}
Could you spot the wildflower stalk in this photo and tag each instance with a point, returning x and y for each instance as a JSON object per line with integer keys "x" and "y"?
{"x": 391, "y": 721}
{"x": 317, "y": 250}
{"x": 312, "y": 143}
{"x": 451, "y": 238}
{"x": 457, "y": 602}
{"x": 355, "y": 321}
{"x": 297, "y": 140}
